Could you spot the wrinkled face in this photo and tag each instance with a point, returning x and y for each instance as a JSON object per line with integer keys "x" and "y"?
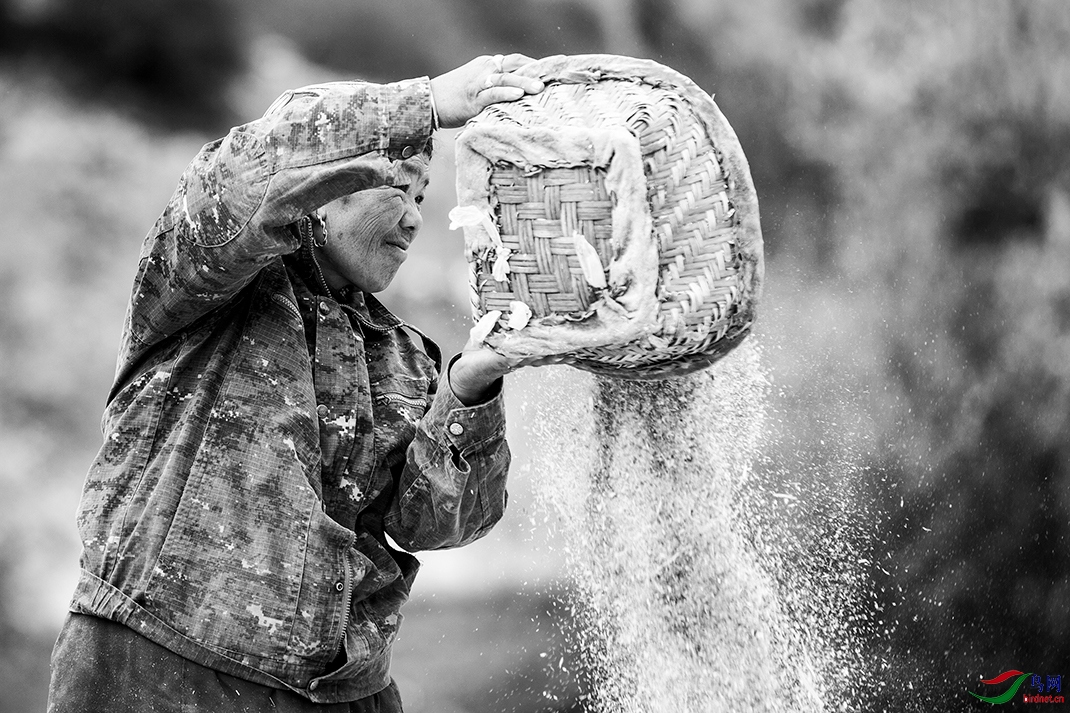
{"x": 369, "y": 232}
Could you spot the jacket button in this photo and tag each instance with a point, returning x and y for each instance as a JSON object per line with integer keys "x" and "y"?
{"x": 325, "y": 308}
{"x": 314, "y": 685}
{"x": 456, "y": 429}
{"x": 340, "y": 586}
{"x": 322, "y": 410}
{"x": 407, "y": 152}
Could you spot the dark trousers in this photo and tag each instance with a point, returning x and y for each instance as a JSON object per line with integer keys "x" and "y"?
{"x": 99, "y": 666}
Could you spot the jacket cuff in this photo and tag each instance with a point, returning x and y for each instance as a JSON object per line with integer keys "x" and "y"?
{"x": 321, "y": 123}
{"x": 465, "y": 428}
{"x": 408, "y": 117}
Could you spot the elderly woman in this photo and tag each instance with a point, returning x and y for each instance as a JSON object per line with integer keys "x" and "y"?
{"x": 274, "y": 434}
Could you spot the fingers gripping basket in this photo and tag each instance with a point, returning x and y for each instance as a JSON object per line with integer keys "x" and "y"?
{"x": 632, "y": 162}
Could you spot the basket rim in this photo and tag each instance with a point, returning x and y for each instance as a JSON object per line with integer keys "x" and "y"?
{"x": 594, "y": 68}
{"x": 591, "y": 68}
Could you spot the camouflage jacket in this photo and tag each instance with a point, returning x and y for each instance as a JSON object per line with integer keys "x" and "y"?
{"x": 261, "y": 439}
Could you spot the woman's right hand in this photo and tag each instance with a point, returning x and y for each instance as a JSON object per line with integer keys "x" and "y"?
{"x": 478, "y": 367}
{"x": 462, "y": 93}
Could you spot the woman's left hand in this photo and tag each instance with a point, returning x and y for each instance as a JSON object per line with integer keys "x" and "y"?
{"x": 478, "y": 367}
{"x": 462, "y": 93}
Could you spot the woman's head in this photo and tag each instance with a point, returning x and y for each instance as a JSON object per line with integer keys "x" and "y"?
{"x": 369, "y": 232}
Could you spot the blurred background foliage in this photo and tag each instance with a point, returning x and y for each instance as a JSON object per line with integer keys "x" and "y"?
{"x": 913, "y": 164}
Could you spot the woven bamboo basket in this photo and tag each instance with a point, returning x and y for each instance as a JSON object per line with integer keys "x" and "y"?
{"x": 629, "y": 160}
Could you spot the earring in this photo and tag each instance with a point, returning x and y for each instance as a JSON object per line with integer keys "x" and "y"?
{"x": 322, "y": 218}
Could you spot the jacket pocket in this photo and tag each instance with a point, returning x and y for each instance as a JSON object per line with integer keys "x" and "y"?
{"x": 253, "y": 568}
{"x": 399, "y": 402}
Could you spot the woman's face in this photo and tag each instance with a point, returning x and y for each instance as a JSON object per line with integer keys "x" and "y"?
{"x": 370, "y": 231}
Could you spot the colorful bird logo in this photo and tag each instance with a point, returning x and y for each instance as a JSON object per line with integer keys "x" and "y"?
{"x": 1009, "y": 693}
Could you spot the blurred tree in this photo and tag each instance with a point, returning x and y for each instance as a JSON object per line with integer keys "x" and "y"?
{"x": 23, "y": 658}
{"x": 534, "y": 27}
{"x": 8, "y": 24}
{"x": 385, "y": 40}
{"x": 796, "y": 188}
{"x": 821, "y": 18}
{"x": 620, "y": 23}
{"x": 373, "y": 39}
{"x": 172, "y": 60}
{"x": 954, "y": 148}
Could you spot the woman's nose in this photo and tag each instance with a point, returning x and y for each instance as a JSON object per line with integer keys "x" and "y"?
{"x": 411, "y": 219}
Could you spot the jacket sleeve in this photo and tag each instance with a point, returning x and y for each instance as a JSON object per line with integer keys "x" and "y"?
{"x": 452, "y": 488}
{"x": 228, "y": 217}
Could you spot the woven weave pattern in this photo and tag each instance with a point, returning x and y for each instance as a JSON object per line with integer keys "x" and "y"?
{"x": 691, "y": 194}
{"x": 537, "y": 216}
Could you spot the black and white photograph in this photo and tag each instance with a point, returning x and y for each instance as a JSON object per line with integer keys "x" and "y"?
{"x": 534, "y": 356}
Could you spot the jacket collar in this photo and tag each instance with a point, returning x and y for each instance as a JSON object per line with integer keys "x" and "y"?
{"x": 369, "y": 311}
